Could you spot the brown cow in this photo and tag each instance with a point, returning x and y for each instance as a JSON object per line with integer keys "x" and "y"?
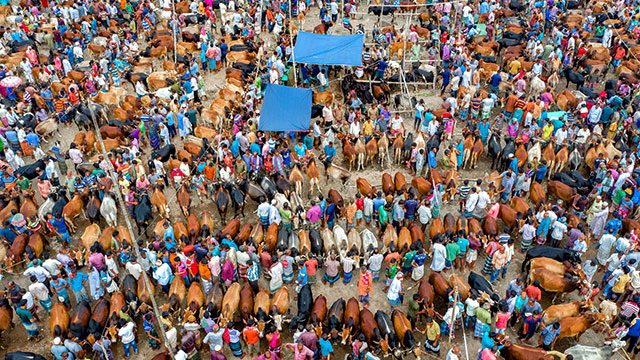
{"x": 426, "y": 291}
{"x": 561, "y": 190}
{"x": 195, "y": 297}
{"x": 177, "y": 293}
{"x": 512, "y": 351}
{"x": 230, "y": 303}
{"x": 537, "y": 194}
{"x": 364, "y": 187}
{"x": 439, "y": 283}
{"x": 422, "y": 185}
{"x": 261, "y": 307}
{"x": 246, "y": 301}
{"x": 560, "y": 311}
{"x": 399, "y": 181}
{"x": 318, "y": 311}
{"x": 350, "y": 320}
{"x": 402, "y": 326}
{"x": 59, "y": 320}
{"x": 387, "y": 184}
{"x": 552, "y": 282}
{"x": 368, "y": 325}
{"x": 576, "y": 326}
{"x": 436, "y": 228}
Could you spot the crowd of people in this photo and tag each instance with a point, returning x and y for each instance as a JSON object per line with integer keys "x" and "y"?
{"x": 53, "y": 42}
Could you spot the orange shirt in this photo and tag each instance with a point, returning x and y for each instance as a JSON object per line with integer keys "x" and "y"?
{"x": 312, "y": 266}
{"x": 210, "y": 172}
{"x": 205, "y": 272}
{"x": 251, "y": 335}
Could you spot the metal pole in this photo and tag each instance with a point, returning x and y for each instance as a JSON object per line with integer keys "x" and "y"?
{"x": 293, "y": 59}
{"x": 127, "y": 220}
{"x": 175, "y": 35}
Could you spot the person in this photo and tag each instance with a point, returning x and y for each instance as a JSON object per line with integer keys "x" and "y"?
{"x": 217, "y": 354}
{"x": 549, "y": 336}
{"x": 102, "y": 347}
{"x": 59, "y": 351}
{"x": 127, "y": 337}
{"x": 432, "y": 343}
{"x": 28, "y": 321}
{"x": 364, "y": 285}
{"x": 250, "y": 335}
{"x": 326, "y": 348}
{"x": 300, "y": 352}
{"x": 394, "y": 295}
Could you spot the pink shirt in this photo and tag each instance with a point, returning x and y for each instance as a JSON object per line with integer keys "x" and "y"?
{"x": 303, "y": 354}
{"x": 502, "y": 319}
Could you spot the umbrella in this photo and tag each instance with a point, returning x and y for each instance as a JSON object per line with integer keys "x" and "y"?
{"x": 11, "y": 81}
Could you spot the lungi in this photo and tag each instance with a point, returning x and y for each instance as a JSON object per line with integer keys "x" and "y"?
{"x": 417, "y": 273}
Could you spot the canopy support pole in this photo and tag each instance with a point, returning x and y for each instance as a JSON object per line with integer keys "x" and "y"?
{"x": 293, "y": 59}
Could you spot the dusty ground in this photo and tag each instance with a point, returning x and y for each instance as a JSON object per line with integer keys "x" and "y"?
{"x": 15, "y": 339}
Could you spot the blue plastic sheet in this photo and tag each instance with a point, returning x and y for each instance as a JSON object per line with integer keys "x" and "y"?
{"x": 322, "y": 49}
{"x": 286, "y": 109}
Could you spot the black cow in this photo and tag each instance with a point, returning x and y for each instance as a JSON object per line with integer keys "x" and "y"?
{"x": 317, "y": 246}
{"x": 494, "y": 148}
{"x": 305, "y": 302}
{"x": 316, "y": 110}
{"x": 166, "y": 152}
{"x": 31, "y": 171}
{"x": 573, "y": 77}
{"x": 552, "y": 253}
{"x": 381, "y": 10}
{"x": 386, "y": 328}
{"x": 23, "y": 355}
{"x": 142, "y": 213}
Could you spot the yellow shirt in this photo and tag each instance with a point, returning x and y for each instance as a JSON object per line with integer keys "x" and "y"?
{"x": 621, "y": 283}
{"x": 514, "y": 66}
{"x": 433, "y": 331}
{"x": 547, "y": 130}
{"x": 367, "y": 128}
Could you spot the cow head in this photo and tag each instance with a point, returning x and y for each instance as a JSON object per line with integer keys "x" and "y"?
{"x": 346, "y": 334}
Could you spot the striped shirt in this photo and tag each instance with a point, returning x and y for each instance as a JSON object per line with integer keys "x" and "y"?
{"x": 629, "y": 309}
{"x": 59, "y": 104}
{"x": 475, "y": 104}
{"x": 464, "y": 191}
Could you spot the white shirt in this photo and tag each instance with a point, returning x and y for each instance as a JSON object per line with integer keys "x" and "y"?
{"x": 394, "y": 289}
{"x": 134, "y": 269}
{"x": 472, "y": 201}
{"x": 439, "y": 255}
{"x": 39, "y": 291}
{"x": 424, "y": 214}
{"x": 126, "y": 333}
{"x": 163, "y": 274}
{"x": 483, "y": 200}
{"x": 51, "y": 265}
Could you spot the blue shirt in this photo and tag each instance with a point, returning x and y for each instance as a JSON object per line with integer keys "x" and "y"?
{"x": 377, "y": 202}
{"x": 330, "y": 152}
{"x": 463, "y": 244}
{"x": 514, "y": 165}
{"x": 330, "y": 212}
{"x": 326, "y": 348}
{"x": 432, "y": 160}
{"x": 77, "y": 282}
{"x": 540, "y": 173}
{"x": 549, "y": 334}
{"x": 33, "y": 139}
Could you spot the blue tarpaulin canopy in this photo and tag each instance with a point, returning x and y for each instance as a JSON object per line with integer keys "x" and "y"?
{"x": 286, "y": 109}
{"x": 322, "y": 49}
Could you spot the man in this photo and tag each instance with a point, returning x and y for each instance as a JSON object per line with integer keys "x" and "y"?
{"x": 549, "y": 336}
{"x": 251, "y": 337}
{"x": 28, "y": 321}
{"x": 163, "y": 275}
{"x": 128, "y": 337}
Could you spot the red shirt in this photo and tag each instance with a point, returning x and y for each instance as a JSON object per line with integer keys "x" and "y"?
{"x": 360, "y": 204}
{"x": 312, "y": 266}
{"x": 533, "y": 292}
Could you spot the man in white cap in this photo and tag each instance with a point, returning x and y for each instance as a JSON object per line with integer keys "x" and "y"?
{"x": 163, "y": 275}
{"x": 217, "y": 354}
{"x": 58, "y": 350}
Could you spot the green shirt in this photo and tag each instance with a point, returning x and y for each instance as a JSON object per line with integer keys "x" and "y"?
{"x": 24, "y": 315}
{"x": 392, "y": 271}
{"x": 619, "y": 195}
{"x": 408, "y": 258}
{"x": 383, "y": 216}
{"x": 452, "y": 251}
{"x": 191, "y": 115}
{"x": 285, "y": 215}
{"x": 24, "y": 184}
{"x": 413, "y": 308}
{"x": 483, "y": 315}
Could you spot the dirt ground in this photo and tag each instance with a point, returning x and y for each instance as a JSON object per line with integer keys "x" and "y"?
{"x": 15, "y": 340}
